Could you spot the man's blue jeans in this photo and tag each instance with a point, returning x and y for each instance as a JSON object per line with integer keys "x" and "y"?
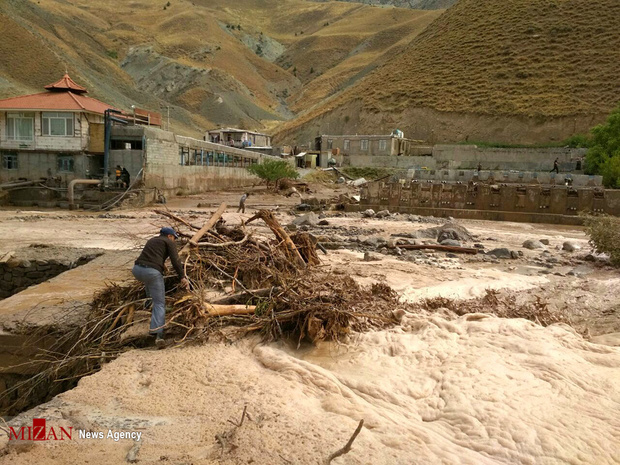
{"x": 156, "y": 290}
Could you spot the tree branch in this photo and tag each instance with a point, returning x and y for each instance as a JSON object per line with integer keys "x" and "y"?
{"x": 347, "y": 447}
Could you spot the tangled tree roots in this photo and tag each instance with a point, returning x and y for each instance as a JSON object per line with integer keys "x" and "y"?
{"x": 273, "y": 288}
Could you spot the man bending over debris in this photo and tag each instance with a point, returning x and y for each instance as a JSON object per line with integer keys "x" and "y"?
{"x": 149, "y": 269}
{"x": 242, "y": 202}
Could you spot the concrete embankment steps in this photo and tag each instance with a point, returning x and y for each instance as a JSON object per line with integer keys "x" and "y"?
{"x": 59, "y": 303}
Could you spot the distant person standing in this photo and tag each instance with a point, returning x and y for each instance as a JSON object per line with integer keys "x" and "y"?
{"x": 244, "y": 197}
{"x": 118, "y": 172}
{"x": 125, "y": 177}
{"x": 479, "y": 167}
{"x": 556, "y": 167}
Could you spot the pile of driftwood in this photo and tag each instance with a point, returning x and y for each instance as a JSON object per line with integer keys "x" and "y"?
{"x": 272, "y": 286}
{"x": 240, "y": 284}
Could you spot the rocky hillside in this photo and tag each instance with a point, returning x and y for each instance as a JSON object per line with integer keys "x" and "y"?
{"x": 253, "y": 65}
{"x": 522, "y": 71}
{"x": 414, "y": 4}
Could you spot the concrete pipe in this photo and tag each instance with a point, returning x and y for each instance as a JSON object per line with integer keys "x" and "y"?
{"x": 72, "y": 184}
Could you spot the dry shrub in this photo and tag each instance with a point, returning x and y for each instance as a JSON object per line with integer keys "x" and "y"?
{"x": 537, "y": 310}
{"x": 285, "y": 184}
{"x": 321, "y": 176}
{"x": 604, "y": 232}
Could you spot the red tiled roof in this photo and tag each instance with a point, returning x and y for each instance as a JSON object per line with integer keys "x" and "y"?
{"x": 63, "y": 95}
{"x": 55, "y": 101}
{"x": 66, "y": 83}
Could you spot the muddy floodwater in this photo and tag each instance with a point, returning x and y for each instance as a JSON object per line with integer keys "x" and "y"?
{"x": 436, "y": 388}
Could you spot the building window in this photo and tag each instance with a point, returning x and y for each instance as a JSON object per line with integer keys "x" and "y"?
{"x": 9, "y": 161}
{"x": 364, "y": 144}
{"x": 382, "y": 145}
{"x": 347, "y": 144}
{"x": 57, "y": 124}
{"x": 65, "y": 163}
{"x": 20, "y": 126}
{"x": 330, "y": 144}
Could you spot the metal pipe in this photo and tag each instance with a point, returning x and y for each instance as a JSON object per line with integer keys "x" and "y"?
{"x": 107, "y": 128}
{"x": 10, "y": 185}
{"x": 72, "y": 184}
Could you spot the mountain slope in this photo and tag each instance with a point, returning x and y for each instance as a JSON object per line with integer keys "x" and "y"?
{"x": 534, "y": 61}
{"x": 414, "y": 4}
{"x": 211, "y": 62}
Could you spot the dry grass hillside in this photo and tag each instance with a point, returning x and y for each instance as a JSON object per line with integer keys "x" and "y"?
{"x": 211, "y": 62}
{"x": 415, "y": 4}
{"x": 532, "y": 60}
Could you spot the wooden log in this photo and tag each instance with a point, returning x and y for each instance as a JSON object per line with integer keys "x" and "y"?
{"x": 176, "y": 218}
{"x": 282, "y": 236}
{"x": 222, "y": 244}
{"x": 214, "y": 219}
{"x": 222, "y": 310}
{"x": 445, "y": 248}
{"x": 306, "y": 245}
{"x": 241, "y": 296}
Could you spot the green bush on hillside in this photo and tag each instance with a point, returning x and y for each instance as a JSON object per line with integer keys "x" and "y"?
{"x": 604, "y": 154}
{"x": 367, "y": 173}
{"x": 604, "y": 232}
{"x": 273, "y": 170}
{"x": 578, "y": 141}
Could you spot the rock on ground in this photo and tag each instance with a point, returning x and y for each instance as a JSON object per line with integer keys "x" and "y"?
{"x": 450, "y": 242}
{"x": 309, "y": 219}
{"x": 375, "y": 241}
{"x": 372, "y": 257}
{"x": 533, "y": 244}
{"x": 570, "y": 246}
{"x": 500, "y": 253}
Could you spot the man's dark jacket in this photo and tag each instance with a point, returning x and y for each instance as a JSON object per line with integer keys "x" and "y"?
{"x": 155, "y": 253}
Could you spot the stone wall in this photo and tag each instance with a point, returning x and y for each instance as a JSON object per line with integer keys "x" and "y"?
{"x": 517, "y": 177}
{"x": 19, "y": 274}
{"x": 506, "y": 202}
{"x": 491, "y": 158}
{"x": 461, "y": 157}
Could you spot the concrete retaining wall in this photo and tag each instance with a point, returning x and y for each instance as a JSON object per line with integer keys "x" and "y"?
{"x": 460, "y": 157}
{"x": 484, "y": 201}
{"x": 17, "y": 275}
{"x": 389, "y": 161}
{"x": 522, "y": 177}
{"x": 524, "y": 159}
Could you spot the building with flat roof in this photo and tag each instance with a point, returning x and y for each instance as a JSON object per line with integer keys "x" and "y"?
{"x": 347, "y": 149}
{"x": 240, "y": 138}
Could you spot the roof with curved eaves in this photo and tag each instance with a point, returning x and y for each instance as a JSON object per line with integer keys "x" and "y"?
{"x": 63, "y": 95}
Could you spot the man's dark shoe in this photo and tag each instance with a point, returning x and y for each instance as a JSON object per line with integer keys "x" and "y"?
{"x": 160, "y": 342}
